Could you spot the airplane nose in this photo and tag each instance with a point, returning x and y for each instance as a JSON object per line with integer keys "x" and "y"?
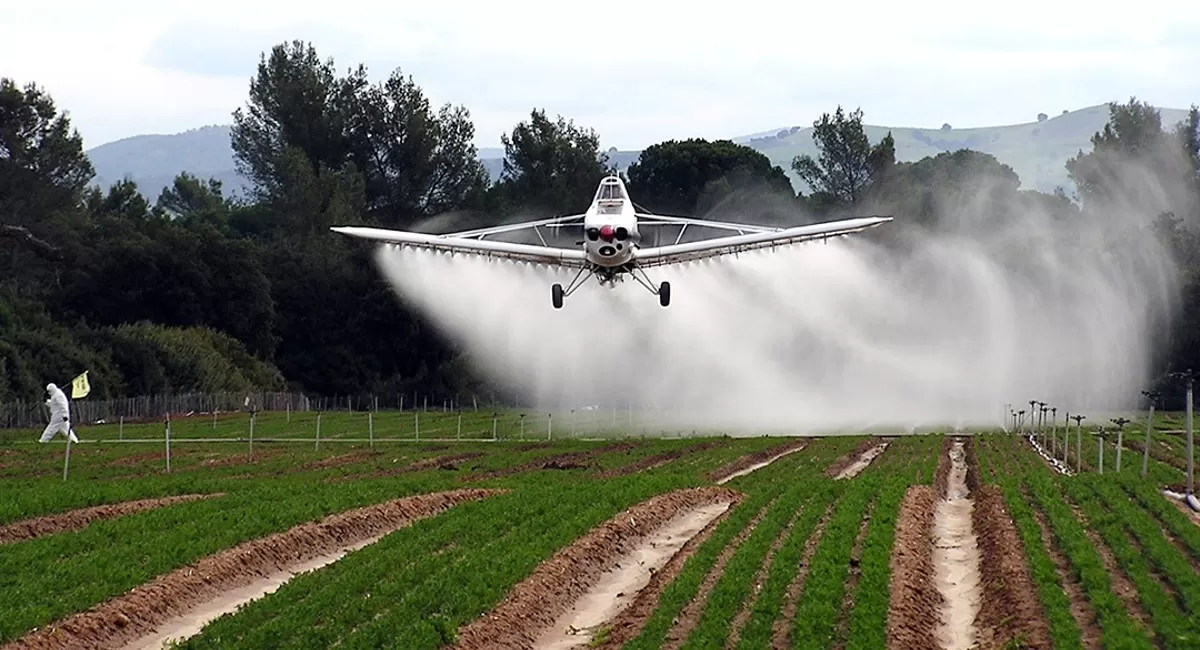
{"x": 606, "y": 233}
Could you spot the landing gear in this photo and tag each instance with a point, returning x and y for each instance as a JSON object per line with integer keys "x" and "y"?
{"x": 664, "y": 293}
{"x": 663, "y": 290}
{"x": 557, "y": 293}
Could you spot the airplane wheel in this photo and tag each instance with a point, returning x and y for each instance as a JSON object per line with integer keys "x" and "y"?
{"x": 556, "y": 294}
{"x": 664, "y": 294}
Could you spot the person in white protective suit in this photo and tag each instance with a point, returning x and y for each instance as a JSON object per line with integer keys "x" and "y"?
{"x": 60, "y": 415}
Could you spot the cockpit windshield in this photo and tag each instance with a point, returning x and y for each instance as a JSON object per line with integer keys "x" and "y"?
{"x": 610, "y": 191}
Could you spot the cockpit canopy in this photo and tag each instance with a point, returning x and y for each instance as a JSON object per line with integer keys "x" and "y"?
{"x": 610, "y": 189}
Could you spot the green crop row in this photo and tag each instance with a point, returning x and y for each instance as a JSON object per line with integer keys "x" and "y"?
{"x": 1064, "y": 632}
{"x": 1118, "y": 630}
{"x": 732, "y": 589}
{"x": 1170, "y": 624}
{"x": 762, "y": 486}
{"x": 769, "y": 604}
{"x": 1175, "y": 521}
{"x": 821, "y": 603}
{"x": 413, "y": 588}
{"x": 868, "y": 618}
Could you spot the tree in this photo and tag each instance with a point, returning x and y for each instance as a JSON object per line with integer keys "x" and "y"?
{"x": 416, "y": 163}
{"x": 1136, "y": 166}
{"x": 695, "y": 175}
{"x": 550, "y": 165}
{"x": 848, "y": 163}
{"x": 190, "y": 199}
{"x": 295, "y": 100}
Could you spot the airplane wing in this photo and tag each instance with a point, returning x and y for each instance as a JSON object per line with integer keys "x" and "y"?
{"x": 645, "y": 219}
{"x": 733, "y": 244}
{"x": 467, "y": 242}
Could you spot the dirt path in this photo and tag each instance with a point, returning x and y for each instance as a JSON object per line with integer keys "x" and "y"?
{"x": 76, "y": 519}
{"x": 756, "y": 461}
{"x": 195, "y": 593}
{"x": 535, "y": 604}
{"x": 863, "y": 461}
{"x": 956, "y": 558}
{"x": 628, "y": 623}
{"x": 617, "y": 587}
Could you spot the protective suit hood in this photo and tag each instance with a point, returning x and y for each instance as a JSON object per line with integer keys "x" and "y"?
{"x": 50, "y": 388}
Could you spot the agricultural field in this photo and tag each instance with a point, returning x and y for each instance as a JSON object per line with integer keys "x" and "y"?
{"x": 411, "y": 530}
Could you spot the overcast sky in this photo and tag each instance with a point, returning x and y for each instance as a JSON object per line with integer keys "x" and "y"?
{"x": 639, "y": 72}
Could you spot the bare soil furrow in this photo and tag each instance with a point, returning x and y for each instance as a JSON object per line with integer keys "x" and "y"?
{"x": 844, "y": 461}
{"x": 1010, "y": 610}
{"x": 755, "y": 461}
{"x": 913, "y": 599}
{"x": 629, "y": 622}
{"x": 535, "y": 603}
{"x": 76, "y": 519}
{"x": 1121, "y": 585}
{"x": 137, "y": 613}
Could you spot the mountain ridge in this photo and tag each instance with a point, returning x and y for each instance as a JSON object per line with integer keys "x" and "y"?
{"x": 1037, "y": 150}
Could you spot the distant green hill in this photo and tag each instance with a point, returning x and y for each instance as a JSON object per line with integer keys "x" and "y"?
{"x": 1036, "y": 150}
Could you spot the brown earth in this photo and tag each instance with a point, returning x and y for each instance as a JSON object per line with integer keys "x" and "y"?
{"x": 576, "y": 459}
{"x": 654, "y": 460}
{"x": 629, "y": 623}
{"x": 446, "y": 462}
{"x": 339, "y": 460}
{"x": 536, "y": 602}
{"x": 76, "y": 519}
{"x": 847, "y": 459}
{"x": 755, "y": 458}
{"x": 136, "y": 613}
{"x": 1010, "y": 611}
{"x": 914, "y": 601}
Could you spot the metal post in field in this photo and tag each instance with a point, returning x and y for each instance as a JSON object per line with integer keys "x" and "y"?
{"x": 549, "y": 425}
{"x": 1120, "y": 422}
{"x": 494, "y": 417}
{"x": 460, "y": 425}
{"x": 371, "y": 428}
{"x": 121, "y": 428}
{"x": 416, "y": 425}
{"x": 167, "y": 432}
{"x": 1152, "y": 396}
{"x": 318, "y": 439}
{"x": 67, "y": 457}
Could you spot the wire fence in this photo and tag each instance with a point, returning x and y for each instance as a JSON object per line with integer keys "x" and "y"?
{"x": 146, "y": 408}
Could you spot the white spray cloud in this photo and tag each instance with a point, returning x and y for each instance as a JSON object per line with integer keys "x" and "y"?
{"x": 842, "y": 334}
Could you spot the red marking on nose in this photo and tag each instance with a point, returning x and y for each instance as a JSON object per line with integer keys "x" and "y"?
{"x": 606, "y": 233}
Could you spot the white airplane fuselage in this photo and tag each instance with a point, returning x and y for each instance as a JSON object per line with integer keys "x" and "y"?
{"x": 610, "y": 228}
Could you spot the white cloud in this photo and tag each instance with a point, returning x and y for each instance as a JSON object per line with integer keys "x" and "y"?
{"x": 638, "y": 72}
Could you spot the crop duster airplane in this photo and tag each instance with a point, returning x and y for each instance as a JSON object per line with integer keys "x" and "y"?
{"x": 612, "y": 233}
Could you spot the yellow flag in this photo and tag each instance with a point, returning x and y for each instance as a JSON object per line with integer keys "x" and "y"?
{"x": 80, "y": 387}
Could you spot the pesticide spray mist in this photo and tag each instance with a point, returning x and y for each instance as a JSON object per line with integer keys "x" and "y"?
{"x": 943, "y": 330}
